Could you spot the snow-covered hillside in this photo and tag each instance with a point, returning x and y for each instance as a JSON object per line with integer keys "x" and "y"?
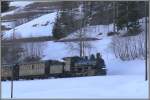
{"x": 18, "y": 4}
{"x": 41, "y": 26}
{"x": 98, "y": 46}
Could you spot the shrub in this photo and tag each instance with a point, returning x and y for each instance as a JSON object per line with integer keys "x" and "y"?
{"x": 112, "y": 33}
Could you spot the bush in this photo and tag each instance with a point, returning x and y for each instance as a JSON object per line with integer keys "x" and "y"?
{"x": 134, "y": 31}
{"x": 112, "y": 33}
{"x": 129, "y": 47}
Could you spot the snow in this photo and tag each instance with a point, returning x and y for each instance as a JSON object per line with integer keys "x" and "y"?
{"x": 58, "y": 48}
{"x": 92, "y": 31}
{"x": 61, "y": 47}
{"x": 116, "y": 86}
{"x": 7, "y": 24}
{"x": 20, "y": 3}
{"x": 41, "y": 26}
{"x": 8, "y": 13}
{"x": 19, "y": 6}
{"x": 125, "y": 79}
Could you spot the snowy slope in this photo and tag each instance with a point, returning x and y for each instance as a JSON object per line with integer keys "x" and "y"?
{"x": 97, "y": 31}
{"x": 55, "y": 51}
{"x": 102, "y": 46}
{"x": 9, "y": 12}
{"x": 41, "y": 26}
{"x": 19, "y": 4}
{"x": 92, "y": 31}
{"x": 117, "y": 86}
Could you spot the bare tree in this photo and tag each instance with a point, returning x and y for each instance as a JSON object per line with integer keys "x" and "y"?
{"x": 33, "y": 51}
{"x": 82, "y": 47}
{"x": 11, "y": 53}
{"x": 128, "y": 48}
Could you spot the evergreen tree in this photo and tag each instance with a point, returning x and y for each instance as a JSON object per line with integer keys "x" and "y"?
{"x": 133, "y": 17}
{"x": 4, "y": 6}
{"x": 64, "y": 24}
{"x": 121, "y": 15}
{"x": 128, "y": 16}
{"x": 57, "y": 30}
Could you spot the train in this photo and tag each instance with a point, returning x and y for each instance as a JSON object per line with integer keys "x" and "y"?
{"x": 70, "y": 67}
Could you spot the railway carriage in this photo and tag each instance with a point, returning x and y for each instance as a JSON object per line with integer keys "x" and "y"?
{"x": 42, "y": 69}
{"x": 6, "y": 72}
{"x": 54, "y": 68}
{"x": 32, "y": 70}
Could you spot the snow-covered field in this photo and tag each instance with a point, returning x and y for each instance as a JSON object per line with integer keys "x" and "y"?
{"x": 116, "y": 86}
{"x": 125, "y": 79}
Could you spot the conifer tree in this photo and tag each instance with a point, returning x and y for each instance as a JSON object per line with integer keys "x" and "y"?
{"x": 128, "y": 16}
{"x": 4, "y": 6}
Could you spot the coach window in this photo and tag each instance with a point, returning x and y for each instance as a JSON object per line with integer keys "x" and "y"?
{"x": 24, "y": 67}
{"x": 86, "y": 68}
{"x": 38, "y": 67}
{"x": 32, "y": 66}
{"x": 80, "y": 69}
